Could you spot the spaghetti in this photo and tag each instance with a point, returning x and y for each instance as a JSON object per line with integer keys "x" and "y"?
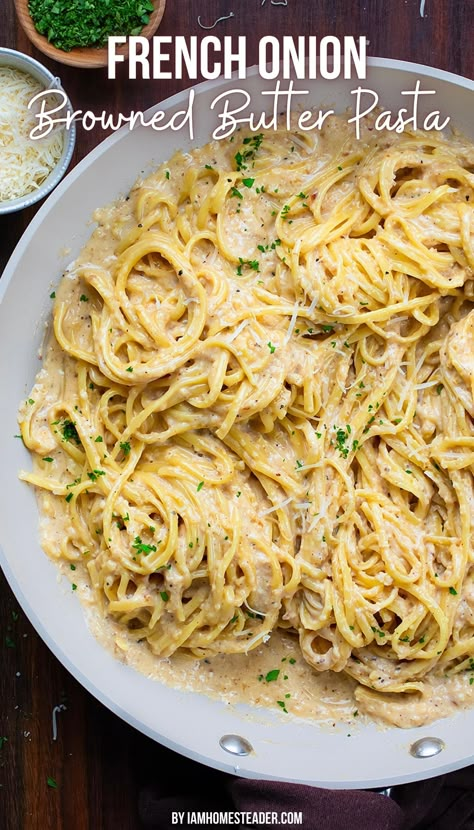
{"x": 256, "y": 407}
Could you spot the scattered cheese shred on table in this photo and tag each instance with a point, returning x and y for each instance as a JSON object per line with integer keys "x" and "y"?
{"x": 24, "y": 163}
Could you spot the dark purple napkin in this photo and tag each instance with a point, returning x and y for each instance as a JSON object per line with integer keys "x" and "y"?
{"x": 185, "y": 787}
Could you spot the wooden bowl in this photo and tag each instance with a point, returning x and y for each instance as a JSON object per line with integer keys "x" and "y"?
{"x": 85, "y": 57}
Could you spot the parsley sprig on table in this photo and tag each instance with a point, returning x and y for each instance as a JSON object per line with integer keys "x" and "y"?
{"x": 70, "y": 23}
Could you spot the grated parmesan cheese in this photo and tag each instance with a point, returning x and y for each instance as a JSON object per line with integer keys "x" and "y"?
{"x": 24, "y": 163}
{"x": 238, "y": 330}
{"x": 426, "y": 385}
{"x": 294, "y": 317}
{"x": 276, "y": 506}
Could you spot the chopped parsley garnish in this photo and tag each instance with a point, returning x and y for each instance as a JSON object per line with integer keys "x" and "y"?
{"x": 73, "y": 567}
{"x": 248, "y": 182}
{"x": 271, "y": 347}
{"x": 48, "y": 458}
{"x": 439, "y": 388}
{"x": 83, "y": 298}
{"x": 251, "y": 263}
{"x": 74, "y": 586}
{"x": 95, "y": 474}
{"x": 70, "y": 432}
{"x": 369, "y": 422}
{"x": 272, "y": 675}
{"x": 285, "y": 210}
{"x": 292, "y": 661}
{"x": 200, "y": 486}
{"x": 254, "y": 616}
{"x": 52, "y": 296}
{"x": 378, "y": 631}
{"x": 129, "y": 369}
{"x": 99, "y": 440}
{"x": 167, "y": 174}
{"x": 164, "y": 596}
{"x": 270, "y": 247}
{"x": 236, "y": 193}
{"x": 282, "y": 705}
{"x": 328, "y": 328}
{"x": 69, "y": 497}
{"x": 125, "y": 447}
{"x": 253, "y": 144}
{"x": 453, "y": 591}
{"x": 51, "y": 782}
{"x": 68, "y": 25}
{"x": 141, "y": 547}
{"x": 254, "y": 141}
{"x": 341, "y": 437}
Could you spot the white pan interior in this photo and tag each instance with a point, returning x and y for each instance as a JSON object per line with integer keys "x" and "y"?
{"x": 283, "y": 748}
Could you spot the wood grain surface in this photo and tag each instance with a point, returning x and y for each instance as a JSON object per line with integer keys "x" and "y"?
{"x": 98, "y": 762}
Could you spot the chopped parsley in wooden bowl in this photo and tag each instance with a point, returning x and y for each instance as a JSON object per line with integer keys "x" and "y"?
{"x": 75, "y": 32}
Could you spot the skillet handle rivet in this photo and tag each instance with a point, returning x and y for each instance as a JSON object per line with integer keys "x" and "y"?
{"x": 427, "y": 747}
{"x": 236, "y": 745}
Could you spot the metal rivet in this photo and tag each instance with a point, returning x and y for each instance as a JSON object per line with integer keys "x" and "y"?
{"x": 427, "y": 747}
{"x": 236, "y": 745}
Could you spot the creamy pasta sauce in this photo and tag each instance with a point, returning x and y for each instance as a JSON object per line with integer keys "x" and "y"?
{"x": 254, "y": 414}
